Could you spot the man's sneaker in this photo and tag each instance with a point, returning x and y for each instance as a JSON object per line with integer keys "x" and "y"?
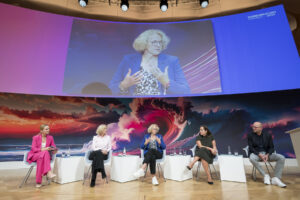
{"x": 267, "y": 179}
{"x": 139, "y": 173}
{"x": 154, "y": 181}
{"x": 278, "y": 182}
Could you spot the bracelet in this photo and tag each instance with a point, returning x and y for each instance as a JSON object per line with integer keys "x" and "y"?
{"x": 122, "y": 90}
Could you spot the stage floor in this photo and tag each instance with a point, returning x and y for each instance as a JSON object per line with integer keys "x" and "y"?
{"x": 191, "y": 189}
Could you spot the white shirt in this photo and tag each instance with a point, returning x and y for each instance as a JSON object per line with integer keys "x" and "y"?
{"x": 43, "y": 144}
{"x": 102, "y": 143}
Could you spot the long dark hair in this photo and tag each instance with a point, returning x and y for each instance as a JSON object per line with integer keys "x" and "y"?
{"x": 205, "y": 128}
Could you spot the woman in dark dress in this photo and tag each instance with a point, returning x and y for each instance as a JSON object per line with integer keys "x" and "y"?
{"x": 205, "y": 151}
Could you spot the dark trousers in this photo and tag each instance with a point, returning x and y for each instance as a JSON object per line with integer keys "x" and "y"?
{"x": 150, "y": 158}
{"x": 98, "y": 163}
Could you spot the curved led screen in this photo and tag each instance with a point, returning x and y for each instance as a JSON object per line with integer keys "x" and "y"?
{"x": 148, "y": 59}
{"x": 49, "y": 54}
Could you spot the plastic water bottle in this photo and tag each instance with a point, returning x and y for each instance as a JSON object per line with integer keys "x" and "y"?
{"x": 124, "y": 151}
{"x": 69, "y": 152}
{"x": 229, "y": 150}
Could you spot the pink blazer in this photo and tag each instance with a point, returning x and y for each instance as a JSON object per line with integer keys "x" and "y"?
{"x": 37, "y": 145}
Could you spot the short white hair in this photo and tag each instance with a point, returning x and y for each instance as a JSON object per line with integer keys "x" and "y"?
{"x": 140, "y": 42}
{"x": 100, "y": 129}
{"x": 152, "y": 126}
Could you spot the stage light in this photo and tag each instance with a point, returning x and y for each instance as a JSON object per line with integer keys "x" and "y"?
{"x": 204, "y": 3}
{"x": 83, "y": 3}
{"x": 164, "y": 5}
{"x": 124, "y": 5}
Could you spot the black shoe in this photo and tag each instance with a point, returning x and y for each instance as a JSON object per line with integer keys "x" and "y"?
{"x": 188, "y": 167}
{"x": 210, "y": 183}
{"x": 93, "y": 183}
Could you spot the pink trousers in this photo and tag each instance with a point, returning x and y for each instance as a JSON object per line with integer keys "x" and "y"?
{"x": 43, "y": 161}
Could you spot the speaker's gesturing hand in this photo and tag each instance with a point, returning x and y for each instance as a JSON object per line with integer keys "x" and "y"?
{"x": 162, "y": 77}
{"x": 130, "y": 80}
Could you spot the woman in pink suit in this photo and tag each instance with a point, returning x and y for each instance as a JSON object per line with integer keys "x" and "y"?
{"x": 42, "y": 144}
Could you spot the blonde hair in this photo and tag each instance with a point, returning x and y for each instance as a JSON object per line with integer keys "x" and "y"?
{"x": 140, "y": 42}
{"x": 100, "y": 129}
{"x": 43, "y": 126}
{"x": 151, "y": 127}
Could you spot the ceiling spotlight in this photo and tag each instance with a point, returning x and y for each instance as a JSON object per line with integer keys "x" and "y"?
{"x": 124, "y": 5}
{"x": 83, "y": 3}
{"x": 204, "y": 3}
{"x": 164, "y": 5}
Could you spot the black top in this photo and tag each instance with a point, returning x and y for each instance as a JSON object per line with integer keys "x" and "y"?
{"x": 206, "y": 140}
{"x": 257, "y": 143}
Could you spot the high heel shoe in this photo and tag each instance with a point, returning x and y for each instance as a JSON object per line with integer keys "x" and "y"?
{"x": 51, "y": 176}
{"x": 210, "y": 182}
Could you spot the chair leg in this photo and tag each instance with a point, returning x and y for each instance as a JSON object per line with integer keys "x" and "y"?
{"x": 26, "y": 177}
{"x": 254, "y": 173}
{"x": 196, "y": 172}
{"x": 30, "y": 170}
{"x": 218, "y": 177}
{"x": 158, "y": 169}
{"x": 106, "y": 178}
{"x": 268, "y": 168}
{"x": 161, "y": 171}
{"x": 271, "y": 166}
{"x": 87, "y": 174}
{"x": 198, "y": 169}
{"x": 145, "y": 174}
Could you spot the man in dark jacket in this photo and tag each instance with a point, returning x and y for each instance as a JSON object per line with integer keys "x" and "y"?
{"x": 261, "y": 148}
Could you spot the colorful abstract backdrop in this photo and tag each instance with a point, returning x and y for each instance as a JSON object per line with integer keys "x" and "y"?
{"x": 73, "y": 120}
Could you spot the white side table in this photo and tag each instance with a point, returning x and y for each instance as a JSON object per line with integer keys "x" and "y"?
{"x": 68, "y": 169}
{"x": 175, "y": 168}
{"x": 232, "y": 168}
{"x": 123, "y": 168}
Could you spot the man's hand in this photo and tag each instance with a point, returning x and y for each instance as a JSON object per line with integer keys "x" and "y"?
{"x": 266, "y": 157}
{"x": 261, "y": 156}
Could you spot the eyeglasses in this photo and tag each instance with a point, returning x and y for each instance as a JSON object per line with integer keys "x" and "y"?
{"x": 155, "y": 42}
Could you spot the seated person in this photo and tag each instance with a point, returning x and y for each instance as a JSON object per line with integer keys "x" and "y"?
{"x": 101, "y": 146}
{"x": 206, "y": 150}
{"x": 153, "y": 145}
{"x": 261, "y": 148}
{"x": 42, "y": 145}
